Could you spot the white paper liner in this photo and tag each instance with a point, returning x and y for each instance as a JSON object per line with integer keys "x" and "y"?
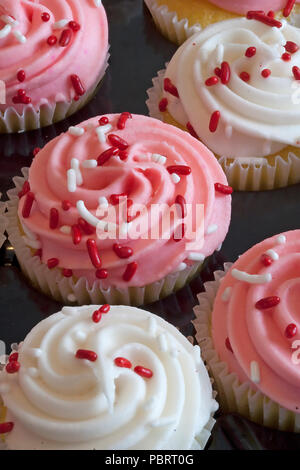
{"x": 3, "y": 221}
{"x": 233, "y": 395}
{"x": 243, "y": 174}
{"x": 52, "y": 283}
{"x": 11, "y": 121}
{"x": 167, "y": 22}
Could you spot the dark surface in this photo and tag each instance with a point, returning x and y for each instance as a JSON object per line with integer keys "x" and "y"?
{"x": 138, "y": 51}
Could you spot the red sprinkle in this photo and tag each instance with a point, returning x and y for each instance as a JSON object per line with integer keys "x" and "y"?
{"x": 21, "y": 75}
{"x": 177, "y": 237}
{"x": 228, "y": 345}
{"x": 66, "y": 205}
{"x": 115, "y": 198}
{"x": 25, "y": 189}
{"x": 245, "y": 76}
{"x": 13, "y": 357}
{"x": 118, "y": 142}
{"x": 104, "y": 308}
{"x": 266, "y": 260}
{"x": 85, "y": 226}
{"x": 179, "y": 169}
{"x": 97, "y": 315}
{"x": 225, "y": 73}
{"x": 296, "y": 72}
{"x": 267, "y": 302}
{"x": 288, "y": 7}
{"x": 130, "y": 271}
{"x": 143, "y": 372}
{"x": 103, "y": 121}
{"x": 223, "y": 188}
{"x": 65, "y": 37}
{"x": 77, "y": 85}
{"x": 266, "y": 73}
{"x": 123, "y": 155}
{"x": 182, "y": 204}
{"x": 170, "y": 88}
{"x": 212, "y": 81}
{"x": 85, "y": 354}
{"x": 101, "y": 274}
{"x": 45, "y": 16}
{"x": 250, "y": 52}
{"x": 6, "y": 427}
{"x": 217, "y": 71}
{"x": 54, "y": 218}
{"x": 52, "y": 40}
{"x": 36, "y": 150}
{"x": 122, "y": 252}
{"x": 286, "y": 56}
{"x": 76, "y": 234}
{"x": 122, "y": 362}
{"x": 191, "y": 130}
{"x": 291, "y": 330}
{"x": 123, "y": 119}
{"x": 291, "y": 47}
{"x": 271, "y": 14}
{"x": 260, "y": 16}
{"x": 74, "y": 26}
{"x": 67, "y": 272}
{"x": 12, "y": 367}
{"x": 93, "y": 253}
{"x": 28, "y": 205}
{"x": 214, "y": 121}
{"x": 163, "y": 104}
{"x": 106, "y": 155}
{"x": 52, "y": 263}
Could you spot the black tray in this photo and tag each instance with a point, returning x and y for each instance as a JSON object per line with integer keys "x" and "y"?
{"x": 138, "y": 51}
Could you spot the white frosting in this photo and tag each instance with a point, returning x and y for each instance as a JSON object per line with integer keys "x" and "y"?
{"x": 60, "y": 402}
{"x": 259, "y": 117}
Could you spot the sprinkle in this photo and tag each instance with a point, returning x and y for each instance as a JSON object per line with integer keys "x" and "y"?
{"x": 19, "y": 36}
{"x": 130, "y": 271}
{"x": 228, "y": 345}
{"x": 225, "y": 73}
{"x": 45, "y": 17}
{"x": 6, "y": 427}
{"x": 214, "y": 121}
{"x": 104, "y": 308}
{"x": 101, "y": 274}
{"x": 181, "y": 267}
{"x": 71, "y": 180}
{"x": 74, "y": 26}
{"x": 211, "y": 229}
{"x": 250, "y": 52}
{"x": 296, "y": 72}
{"x": 52, "y": 263}
{"x": 281, "y": 240}
{"x": 255, "y": 372}
{"x": 89, "y": 164}
{"x": 106, "y": 155}
{"x": 273, "y": 255}
{"x": 122, "y": 362}
{"x": 226, "y": 294}
{"x": 54, "y": 218}
{"x": 224, "y": 189}
{"x": 170, "y": 88}
{"x": 85, "y": 354}
{"x": 251, "y": 278}
{"x": 163, "y": 104}
{"x": 75, "y": 166}
{"x": 123, "y": 119}
{"x": 218, "y": 71}
{"x": 265, "y": 73}
{"x": 76, "y": 131}
{"x": 193, "y": 256}
{"x": 117, "y": 198}
{"x": 21, "y": 75}
{"x": 96, "y": 317}
{"x": 143, "y": 372}
{"x": 245, "y": 76}
{"x": 212, "y": 81}
{"x": 180, "y": 201}
{"x": 267, "y": 302}
{"x": 156, "y": 157}
{"x": 66, "y": 229}
{"x": 52, "y": 40}
{"x": 191, "y": 130}
{"x": 152, "y": 324}
{"x": 12, "y": 367}
{"x": 122, "y": 252}
{"x": 60, "y": 24}
{"x": 9, "y": 20}
{"x": 5, "y": 31}
{"x": 103, "y": 121}
{"x": 77, "y": 85}
{"x": 35, "y": 151}
{"x": 176, "y": 178}
{"x": 288, "y": 7}
{"x": 101, "y": 131}
{"x": 266, "y": 260}
{"x": 67, "y": 272}
{"x": 85, "y": 226}
{"x": 93, "y": 253}
{"x": 260, "y": 16}
{"x": 167, "y": 421}
{"x": 179, "y": 169}
{"x": 286, "y": 57}
{"x": 25, "y": 189}
{"x": 291, "y": 330}
{"x": 28, "y": 205}
{"x": 271, "y": 14}
{"x": 76, "y": 234}
{"x": 118, "y": 142}
{"x": 291, "y": 47}
{"x": 97, "y": 3}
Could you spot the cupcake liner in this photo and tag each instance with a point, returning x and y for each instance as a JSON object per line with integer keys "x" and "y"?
{"x": 167, "y": 22}
{"x": 233, "y": 395}
{"x": 11, "y": 121}
{"x": 243, "y": 174}
{"x": 3, "y": 221}
{"x": 78, "y": 292}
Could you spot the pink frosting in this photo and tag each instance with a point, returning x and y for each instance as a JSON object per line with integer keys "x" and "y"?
{"x": 48, "y": 68}
{"x": 142, "y": 179}
{"x": 259, "y": 335}
{"x": 243, "y": 6}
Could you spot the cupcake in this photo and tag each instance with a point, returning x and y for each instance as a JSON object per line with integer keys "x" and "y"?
{"x": 178, "y": 20}
{"x": 106, "y": 378}
{"x": 248, "y": 329}
{"x": 120, "y": 209}
{"x": 235, "y": 85}
{"x": 49, "y": 67}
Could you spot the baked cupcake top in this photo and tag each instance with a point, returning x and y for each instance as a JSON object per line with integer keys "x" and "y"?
{"x": 98, "y": 197}
{"x": 255, "y": 321}
{"x": 242, "y": 7}
{"x": 236, "y": 83}
{"x": 106, "y": 378}
{"x": 50, "y": 51}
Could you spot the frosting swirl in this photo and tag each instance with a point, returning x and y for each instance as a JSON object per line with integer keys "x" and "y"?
{"x": 258, "y": 115}
{"x": 143, "y": 175}
{"x": 262, "y": 336}
{"x": 58, "y": 401}
{"x": 24, "y": 47}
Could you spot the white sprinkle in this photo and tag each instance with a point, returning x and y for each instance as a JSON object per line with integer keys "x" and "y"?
{"x": 167, "y": 421}
{"x": 35, "y": 244}
{"x": 211, "y": 229}
{"x": 255, "y": 372}
{"x": 19, "y": 36}
{"x": 97, "y": 3}
{"x": 181, "y": 267}
{"x": 101, "y": 132}
{"x": 9, "y": 20}
{"x": 175, "y": 178}
{"x": 71, "y": 298}
{"x": 226, "y": 294}
{"x": 251, "y": 278}
{"x": 86, "y": 215}
{"x": 162, "y": 342}
{"x": 193, "y": 256}
{"x": 103, "y": 202}
{"x": 60, "y": 24}
{"x": 33, "y": 372}
{"x": 273, "y": 255}
{"x": 34, "y": 352}
{"x": 89, "y": 164}
{"x": 66, "y": 229}
{"x": 152, "y": 326}
{"x": 156, "y": 157}
{"x": 5, "y": 31}
{"x": 281, "y": 240}
{"x": 4, "y": 388}
{"x": 77, "y": 131}
{"x": 75, "y": 166}
{"x": 149, "y": 404}
{"x": 80, "y": 336}
{"x": 71, "y": 180}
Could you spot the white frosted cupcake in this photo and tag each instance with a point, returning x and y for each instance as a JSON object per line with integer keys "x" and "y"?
{"x": 106, "y": 378}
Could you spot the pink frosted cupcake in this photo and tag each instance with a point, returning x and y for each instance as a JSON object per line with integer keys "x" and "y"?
{"x": 63, "y": 225}
{"x": 52, "y": 56}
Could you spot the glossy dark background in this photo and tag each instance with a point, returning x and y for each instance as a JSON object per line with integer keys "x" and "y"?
{"x": 138, "y": 51}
